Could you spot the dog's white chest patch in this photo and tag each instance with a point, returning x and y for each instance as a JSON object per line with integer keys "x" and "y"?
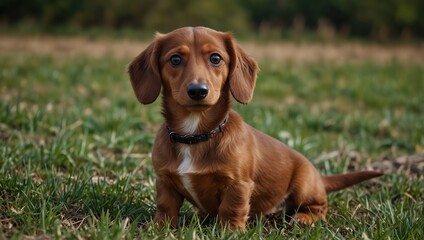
{"x": 189, "y": 126}
{"x": 185, "y": 169}
{"x": 186, "y": 166}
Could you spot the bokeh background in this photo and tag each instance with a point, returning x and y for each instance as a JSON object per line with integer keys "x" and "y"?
{"x": 374, "y": 19}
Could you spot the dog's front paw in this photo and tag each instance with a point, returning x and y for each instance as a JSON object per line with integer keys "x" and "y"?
{"x": 234, "y": 226}
{"x": 306, "y": 219}
{"x": 233, "y": 223}
{"x": 161, "y": 219}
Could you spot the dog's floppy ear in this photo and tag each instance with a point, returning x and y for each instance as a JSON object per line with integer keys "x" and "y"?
{"x": 242, "y": 73}
{"x": 144, "y": 73}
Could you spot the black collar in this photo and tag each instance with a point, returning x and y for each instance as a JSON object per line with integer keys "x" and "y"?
{"x": 192, "y": 138}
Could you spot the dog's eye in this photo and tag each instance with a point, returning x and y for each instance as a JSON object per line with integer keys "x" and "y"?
{"x": 215, "y": 59}
{"x": 175, "y": 60}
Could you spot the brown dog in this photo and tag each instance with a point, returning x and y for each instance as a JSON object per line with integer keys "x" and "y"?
{"x": 204, "y": 152}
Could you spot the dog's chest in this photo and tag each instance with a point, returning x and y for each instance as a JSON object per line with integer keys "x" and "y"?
{"x": 187, "y": 167}
{"x": 189, "y": 125}
{"x": 185, "y": 171}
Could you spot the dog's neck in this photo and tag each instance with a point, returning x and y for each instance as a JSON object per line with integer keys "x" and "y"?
{"x": 183, "y": 121}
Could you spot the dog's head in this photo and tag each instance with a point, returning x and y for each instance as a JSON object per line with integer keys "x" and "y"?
{"x": 193, "y": 65}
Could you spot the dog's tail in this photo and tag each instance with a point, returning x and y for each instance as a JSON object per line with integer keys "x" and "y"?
{"x": 340, "y": 181}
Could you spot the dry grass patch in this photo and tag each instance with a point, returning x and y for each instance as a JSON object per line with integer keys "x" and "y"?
{"x": 278, "y": 51}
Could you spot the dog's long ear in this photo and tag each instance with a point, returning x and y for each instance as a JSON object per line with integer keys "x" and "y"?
{"x": 144, "y": 74}
{"x": 242, "y": 73}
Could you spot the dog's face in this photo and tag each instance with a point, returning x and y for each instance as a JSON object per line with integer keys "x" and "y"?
{"x": 193, "y": 65}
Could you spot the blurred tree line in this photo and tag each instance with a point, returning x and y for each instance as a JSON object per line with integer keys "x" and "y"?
{"x": 366, "y": 18}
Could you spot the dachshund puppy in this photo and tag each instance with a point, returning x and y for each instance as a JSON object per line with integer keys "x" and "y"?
{"x": 204, "y": 152}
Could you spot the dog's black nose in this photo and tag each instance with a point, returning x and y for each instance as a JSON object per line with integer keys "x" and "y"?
{"x": 197, "y": 91}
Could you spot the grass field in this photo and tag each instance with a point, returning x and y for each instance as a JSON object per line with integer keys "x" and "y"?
{"x": 75, "y": 147}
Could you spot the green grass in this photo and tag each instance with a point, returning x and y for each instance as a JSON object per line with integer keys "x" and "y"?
{"x": 75, "y": 144}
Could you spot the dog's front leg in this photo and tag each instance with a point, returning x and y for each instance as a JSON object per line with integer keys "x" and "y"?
{"x": 168, "y": 202}
{"x": 234, "y": 207}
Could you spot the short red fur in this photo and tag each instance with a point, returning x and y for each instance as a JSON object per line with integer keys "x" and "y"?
{"x": 239, "y": 172}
